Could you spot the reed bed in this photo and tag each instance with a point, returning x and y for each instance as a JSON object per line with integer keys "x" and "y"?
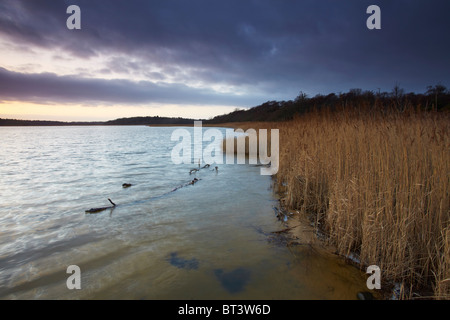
{"x": 376, "y": 183}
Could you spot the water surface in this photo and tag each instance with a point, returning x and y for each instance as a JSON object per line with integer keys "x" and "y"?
{"x": 203, "y": 241}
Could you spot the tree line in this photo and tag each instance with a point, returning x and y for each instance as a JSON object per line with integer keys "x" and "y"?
{"x": 117, "y": 122}
{"x": 436, "y": 98}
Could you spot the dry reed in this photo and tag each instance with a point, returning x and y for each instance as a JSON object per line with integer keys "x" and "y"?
{"x": 377, "y": 184}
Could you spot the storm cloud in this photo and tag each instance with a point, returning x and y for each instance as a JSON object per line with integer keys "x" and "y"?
{"x": 225, "y": 52}
{"x": 49, "y": 87}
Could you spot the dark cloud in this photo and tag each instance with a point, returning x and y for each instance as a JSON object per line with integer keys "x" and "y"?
{"x": 49, "y": 87}
{"x": 271, "y": 48}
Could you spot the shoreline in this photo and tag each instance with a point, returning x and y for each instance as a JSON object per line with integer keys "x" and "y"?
{"x": 374, "y": 184}
{"x": 300, "y": 231}
{"x": 342, "y": 200}
{"x": 233, "y": 125}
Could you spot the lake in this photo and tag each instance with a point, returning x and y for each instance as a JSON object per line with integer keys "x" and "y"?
{"x": 209, "y": 240}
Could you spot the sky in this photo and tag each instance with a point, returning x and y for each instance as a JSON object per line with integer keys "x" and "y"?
{"x": 202, "y": 58}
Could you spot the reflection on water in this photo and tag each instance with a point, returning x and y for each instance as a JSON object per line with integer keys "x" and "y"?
{"x": 201, "y": 241}
{"x": 179, "y": 262}
{"x": 233, "y": 281}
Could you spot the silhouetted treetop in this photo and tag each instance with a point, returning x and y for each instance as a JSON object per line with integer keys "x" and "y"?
{"x": 436, "y": 98}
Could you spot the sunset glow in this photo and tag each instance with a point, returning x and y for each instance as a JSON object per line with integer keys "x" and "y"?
{"x": 201, "y": 59}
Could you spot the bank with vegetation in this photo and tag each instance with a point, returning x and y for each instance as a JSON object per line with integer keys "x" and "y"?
{"x": 372, "y": 174}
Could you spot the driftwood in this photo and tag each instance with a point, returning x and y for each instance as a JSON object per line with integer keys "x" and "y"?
{"x": 96, "y": 210}
{"x": 284, "y": 230}
{"x": 206, "y": 166}
{"x": 186, "y": 184}
{"x": 127, "y": 185}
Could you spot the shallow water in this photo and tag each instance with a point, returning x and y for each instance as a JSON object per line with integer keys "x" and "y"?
{"x": 202, "y": 241}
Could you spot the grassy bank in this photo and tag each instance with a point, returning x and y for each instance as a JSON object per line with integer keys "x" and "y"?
{"x": 376, "y": 183}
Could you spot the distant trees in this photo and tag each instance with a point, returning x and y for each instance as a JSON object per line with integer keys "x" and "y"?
{"x": 437, "y": 90}
{"x": 440, "y": 95}
{"x": 436, "y": 98}
{"x": 118, "y": 122}
{"x": 301, "y": 97}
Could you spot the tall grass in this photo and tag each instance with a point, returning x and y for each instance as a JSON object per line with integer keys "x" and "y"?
{"x": 376, "y": 183}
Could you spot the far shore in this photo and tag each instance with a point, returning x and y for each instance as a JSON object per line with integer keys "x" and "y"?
{"x": 234, "y": 125}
